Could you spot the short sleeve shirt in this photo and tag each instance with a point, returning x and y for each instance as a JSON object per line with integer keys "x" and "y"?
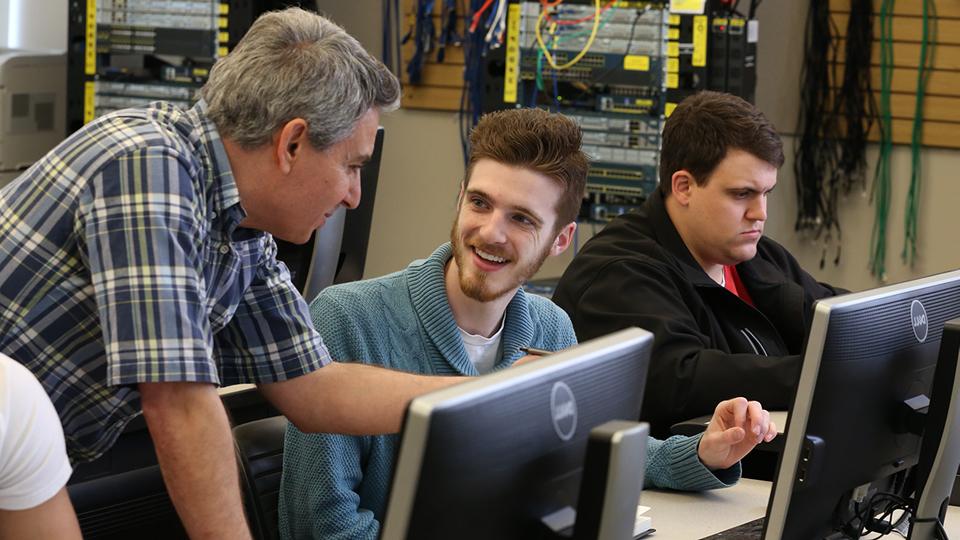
{"x": 122, "y": 261}
{"x": 33, "y": 458}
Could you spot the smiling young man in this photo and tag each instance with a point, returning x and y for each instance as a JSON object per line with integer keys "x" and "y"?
{"x": 729, "y": 308}
{"x": 462, "y": 311}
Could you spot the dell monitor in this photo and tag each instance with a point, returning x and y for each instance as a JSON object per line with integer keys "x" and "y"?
{"x": 940, "y": 449}
{"x": 855, "y": 428}
{"x": 502, "y": 456}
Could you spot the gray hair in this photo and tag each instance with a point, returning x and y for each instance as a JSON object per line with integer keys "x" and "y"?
{"x": 296, "y": 64}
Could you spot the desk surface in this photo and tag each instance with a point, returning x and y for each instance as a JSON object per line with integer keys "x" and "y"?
{"x": 685, "y": 516}
{"x": 234, "y": 389}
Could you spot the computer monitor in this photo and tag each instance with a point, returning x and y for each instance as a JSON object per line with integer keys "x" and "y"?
{"x": 494, "y": 456}
{"x": 854, "y": 431}
{"x": 337, "y": 252}
{"x": 940, "y": 449}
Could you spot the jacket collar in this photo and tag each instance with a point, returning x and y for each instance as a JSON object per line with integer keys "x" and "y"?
{"x": 669, "y": 238}
{"x": 425, "y": 279}
{"x": 757, "y": 271}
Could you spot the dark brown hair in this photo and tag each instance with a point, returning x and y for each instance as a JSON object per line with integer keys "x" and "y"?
{"x": 542, "y": 142}
{"x": 704, "y": 127}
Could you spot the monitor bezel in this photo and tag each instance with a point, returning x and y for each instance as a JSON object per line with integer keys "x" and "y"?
{"x": 416, "y": 427}
{"x": 940, "y": 449}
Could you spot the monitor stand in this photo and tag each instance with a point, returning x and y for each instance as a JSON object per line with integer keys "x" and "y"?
{"x": 610, "y": 486}
{"x": 940, "y": 449}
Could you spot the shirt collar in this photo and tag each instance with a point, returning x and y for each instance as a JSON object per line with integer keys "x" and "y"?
{"x": 225, "y": 197}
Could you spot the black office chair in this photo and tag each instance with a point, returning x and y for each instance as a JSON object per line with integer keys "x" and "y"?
{"x": 260, "y": 453}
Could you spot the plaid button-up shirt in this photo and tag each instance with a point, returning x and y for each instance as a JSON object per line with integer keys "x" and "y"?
{"x": 121, "y": 262}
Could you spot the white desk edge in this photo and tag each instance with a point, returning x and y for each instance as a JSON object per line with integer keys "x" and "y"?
{"x": 686, "y": 516}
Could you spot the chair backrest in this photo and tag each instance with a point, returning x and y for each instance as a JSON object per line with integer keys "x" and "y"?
{"x": 260, "y": 453}
{"x": 122, "y": 495}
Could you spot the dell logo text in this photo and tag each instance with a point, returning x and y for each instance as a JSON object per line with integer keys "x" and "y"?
{"x": 563, "y": 410}
{"x": 918, "y": 318}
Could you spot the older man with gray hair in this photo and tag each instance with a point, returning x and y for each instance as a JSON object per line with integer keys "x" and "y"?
{"x": 138, "y": 268}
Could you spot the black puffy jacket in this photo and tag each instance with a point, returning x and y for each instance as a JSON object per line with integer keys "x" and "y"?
{"x": 709, "y": 345}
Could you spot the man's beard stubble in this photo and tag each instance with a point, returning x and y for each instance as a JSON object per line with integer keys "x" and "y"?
{"x": 476, "y": 287}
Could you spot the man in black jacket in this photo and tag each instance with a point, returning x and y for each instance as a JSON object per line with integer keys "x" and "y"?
{"x": 729, "y": 308}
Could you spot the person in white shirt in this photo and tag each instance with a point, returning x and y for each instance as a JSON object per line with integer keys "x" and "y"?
{"x": 34, "y": 468}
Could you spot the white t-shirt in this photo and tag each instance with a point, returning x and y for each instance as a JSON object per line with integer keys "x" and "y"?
{"x": 33, "y": 455}
{"x": 482, "y": 351}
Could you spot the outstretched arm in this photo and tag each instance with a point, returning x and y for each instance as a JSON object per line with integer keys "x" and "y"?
{"x": 351, "y": 399}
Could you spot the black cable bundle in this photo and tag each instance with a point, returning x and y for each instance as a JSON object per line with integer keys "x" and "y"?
{"x": 855, "y": 100}
{"x": 831, "y": 153}
{"x": 816, "y": 155}
{"x": 448, "y": 29}
{"x": 877, "y": 515}
{"x": 424, "y": 35}
{"x": 471, "y": 97}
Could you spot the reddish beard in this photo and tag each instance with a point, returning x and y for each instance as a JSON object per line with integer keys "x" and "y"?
{"x": 475, "y": 286}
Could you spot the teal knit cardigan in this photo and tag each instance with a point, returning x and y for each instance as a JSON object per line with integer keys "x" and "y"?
{"x": 335, "y": 486}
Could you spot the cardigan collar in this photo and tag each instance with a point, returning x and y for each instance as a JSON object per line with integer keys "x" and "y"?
{"x": 425, "y": 280}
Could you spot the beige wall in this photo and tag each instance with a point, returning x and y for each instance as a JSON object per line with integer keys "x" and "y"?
{"x": 419, "y": 181}
{"x": 422, "y": 166}
{"x": 937, "y": 223}
{"x": 779, "y": 57}
{"x": 420, "y": 170}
